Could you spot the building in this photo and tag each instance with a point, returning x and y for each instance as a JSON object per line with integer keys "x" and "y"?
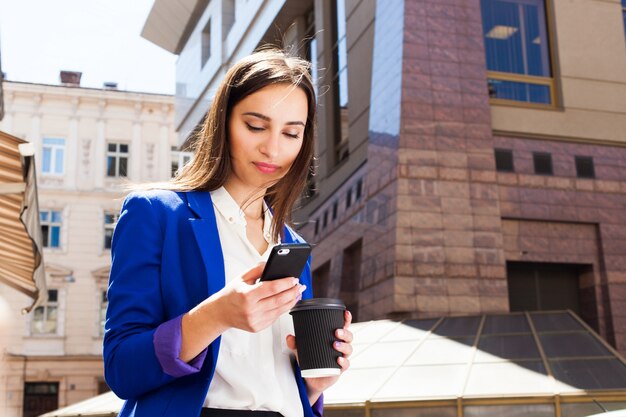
{"x": 89, "y": 144}
{"x": 471, "y": 156}
{"x": 471, "y": 162}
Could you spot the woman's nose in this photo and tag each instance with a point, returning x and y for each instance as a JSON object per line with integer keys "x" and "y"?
{"x": 270, "y": 145}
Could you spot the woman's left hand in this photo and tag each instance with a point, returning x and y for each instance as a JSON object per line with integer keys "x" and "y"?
{"x": 315, "y": 386}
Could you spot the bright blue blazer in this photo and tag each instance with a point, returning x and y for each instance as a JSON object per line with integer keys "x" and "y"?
{"x": 166, "y": 259}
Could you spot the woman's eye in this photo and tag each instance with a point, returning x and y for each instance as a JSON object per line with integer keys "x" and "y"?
{"x": 292, "y": 135}
{"x": 253, "y": 128}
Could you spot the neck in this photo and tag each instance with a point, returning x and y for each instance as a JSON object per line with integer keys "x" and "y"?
{"x": 249, "y": 199}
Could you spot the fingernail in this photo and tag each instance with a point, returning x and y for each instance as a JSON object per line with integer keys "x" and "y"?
{"x": 340, "y": 333}
{"x": 299, "y": 297}
{"x": 295, "y": 282}
{"x": 337, "y": 344}
{"x": 302, "y": 288}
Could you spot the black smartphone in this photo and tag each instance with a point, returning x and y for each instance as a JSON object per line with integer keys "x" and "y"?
{"x": 286, "y": 260}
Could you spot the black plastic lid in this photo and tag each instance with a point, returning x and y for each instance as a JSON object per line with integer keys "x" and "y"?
{"x": 319, "y": 304}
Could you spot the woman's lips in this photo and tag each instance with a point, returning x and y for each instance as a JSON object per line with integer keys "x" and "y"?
{"x": 266, "y": 168}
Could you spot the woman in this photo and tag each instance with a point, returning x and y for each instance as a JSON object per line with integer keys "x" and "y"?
{"x": 189, "y": 331}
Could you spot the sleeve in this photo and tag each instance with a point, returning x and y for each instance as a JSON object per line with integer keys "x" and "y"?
{"x": 167, "y": 343}
{"x": 318, "y": 407}
{"x": 136, "y": 331}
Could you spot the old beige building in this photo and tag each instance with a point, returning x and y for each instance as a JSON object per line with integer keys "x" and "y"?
{"x": 89, "y": 144}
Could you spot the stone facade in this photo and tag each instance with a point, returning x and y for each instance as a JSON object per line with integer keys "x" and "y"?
{"x": 82, "y": 192}
{"x": 436, "y": 225}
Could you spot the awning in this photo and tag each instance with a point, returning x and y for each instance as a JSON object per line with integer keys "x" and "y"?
{"x": 21, "y": 259}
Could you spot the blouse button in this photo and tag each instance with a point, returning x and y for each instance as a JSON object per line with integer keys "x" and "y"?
{"x": 230, "y": 219}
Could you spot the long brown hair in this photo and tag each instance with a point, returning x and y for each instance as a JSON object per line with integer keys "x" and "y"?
{"x": 211, "y": 165}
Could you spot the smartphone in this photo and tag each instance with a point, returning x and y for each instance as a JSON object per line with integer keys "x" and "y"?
{"x": 286, "y": 260}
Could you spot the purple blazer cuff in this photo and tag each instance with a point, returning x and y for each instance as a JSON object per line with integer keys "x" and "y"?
{"x": 167, "y": 341}
{"x": 318, "y": 407}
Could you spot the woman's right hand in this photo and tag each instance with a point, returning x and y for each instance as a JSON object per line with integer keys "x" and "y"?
{"x": 252, "y": 306}
{"x": 242, "y": 304}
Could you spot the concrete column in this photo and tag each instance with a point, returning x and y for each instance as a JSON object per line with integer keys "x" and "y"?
{"x": 135, "y": 160}
{"x": 71, "y": 158}
{"x": 165, "y": 151}
{"x": 100, "y": 149}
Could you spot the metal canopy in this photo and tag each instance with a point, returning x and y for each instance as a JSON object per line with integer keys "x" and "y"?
{"x": 21, "y": 261}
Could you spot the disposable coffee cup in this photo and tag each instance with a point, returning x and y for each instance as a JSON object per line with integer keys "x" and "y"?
{"x": 315, "y": 321}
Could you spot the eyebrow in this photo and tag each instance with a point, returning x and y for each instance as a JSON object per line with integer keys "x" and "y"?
{"x": 268, "y": 119}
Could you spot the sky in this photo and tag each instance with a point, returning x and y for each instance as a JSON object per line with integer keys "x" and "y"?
{"x": 100, "y": 38}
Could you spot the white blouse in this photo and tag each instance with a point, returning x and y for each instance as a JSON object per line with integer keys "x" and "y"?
{"x": 253, "y": 370}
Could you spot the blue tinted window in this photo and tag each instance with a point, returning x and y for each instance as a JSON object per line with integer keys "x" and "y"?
{"x": 516, "y": 42}
{"x": 519, "y": 91}
{"x": 624, "y": 14}
{"x": 516, "y": 38}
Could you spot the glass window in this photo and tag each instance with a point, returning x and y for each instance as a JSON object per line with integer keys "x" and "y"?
{"x": 413, "y": 412}
{"x": 340, "y": 82}
{"x": 44, "y": 318}
{"x": 104, "y": 303}
{"x": 624, "y": 14}
{"x": 50, "y": 221}
{"x": 205, "y": 44}
{"x": 519, "y": 410}
{"x": 179, "y": 160}
{"x": 543, "y": 163}
{"x": 329, "y": 412}
{"x": 587, "y": 409}
{"x": 117, "y": 160}
{"x": 517, "y": 50}
{"x": 504, "y": 160}
{"x": 53, "y": 155}
{"x": 584, "y": 166}
{"x": 110, "y": 219}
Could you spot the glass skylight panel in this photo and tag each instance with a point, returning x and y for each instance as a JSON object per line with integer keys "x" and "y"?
{"x": 441, "y": 351}
{"x": 410, "y": 330}
{"x": 493, "y": 348}
{"x": 458, "y": 326}
{"x": 421, "y": 382}
{"x": 514, "y": 323}
{"x": 508, "y": 378}
{"x": 357, "y": 384}
{"x": 391, "y": 354}
{"x": 371, "y": 334}
{"x": 597, "y": 374}
{"x": 574, "y": 344}
{"x": 555, "y": 322}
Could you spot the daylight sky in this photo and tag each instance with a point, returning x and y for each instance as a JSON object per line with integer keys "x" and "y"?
{"x": 100, "y": 38}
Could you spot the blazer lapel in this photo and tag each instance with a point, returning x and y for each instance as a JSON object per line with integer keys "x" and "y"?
{"x": 208, "y": 238}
